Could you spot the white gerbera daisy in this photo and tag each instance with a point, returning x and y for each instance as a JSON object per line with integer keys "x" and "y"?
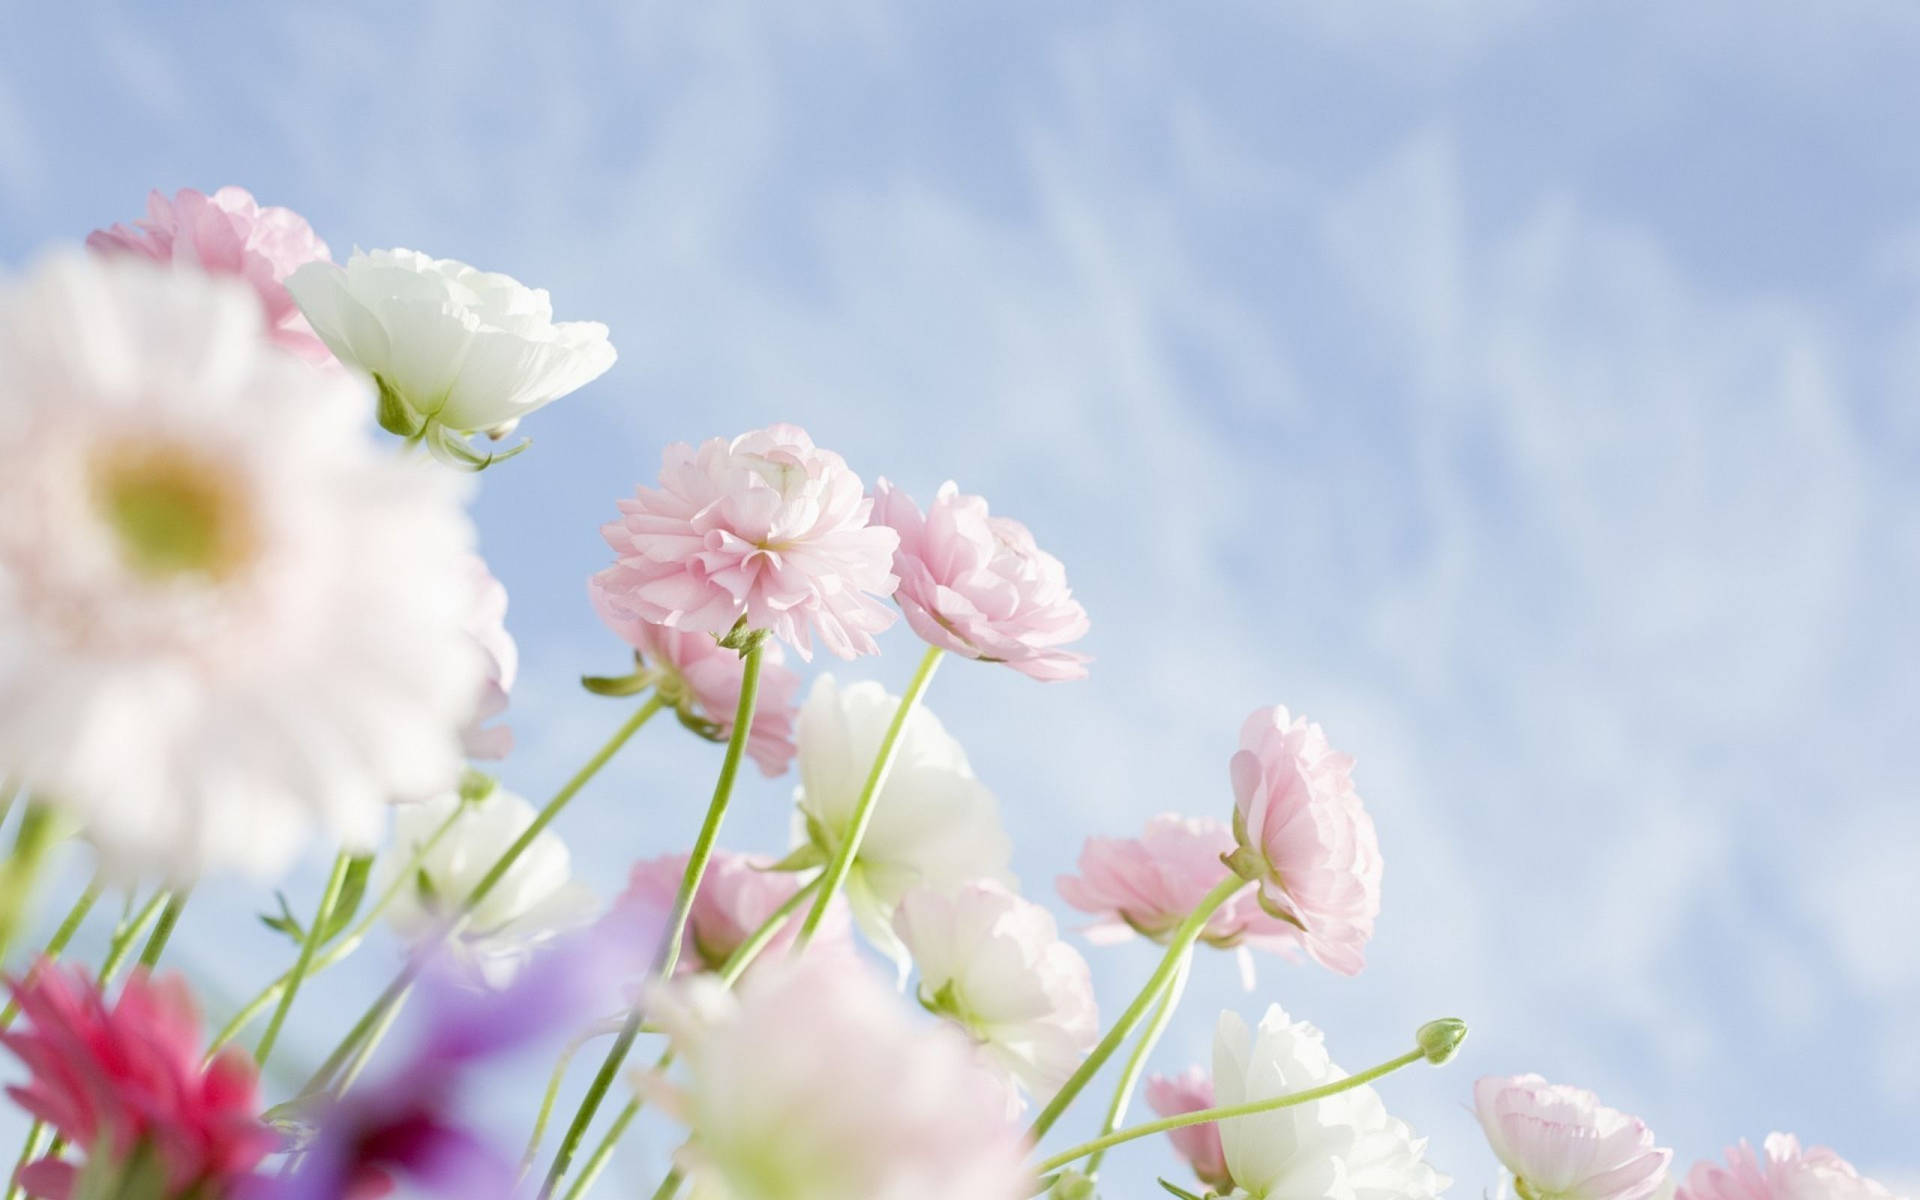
{"x": 226, "y": 617}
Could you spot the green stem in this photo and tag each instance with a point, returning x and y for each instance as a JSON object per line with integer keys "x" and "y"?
{"x": 849, "y": 848}
{"x": 1142, "y": 1050}
{"x": 552, "y": 1095}
{"x": 677, "y": 923}
{"x": 669, "y": 1185}
{"x": 316, "y": 933}
{"x": 35, "y": 837}
{"x": 1181, "y": 942}
{"x": 369, "y": 1020}
{"x": 601, "y": 1153}
{"x": 1229, "y": 1112}
{"x": 163, "y": 930}
{"x": 28, "y": 1153}
{"x": 61, "y": 936}
{"x": 371, "y": 1043}
{"x": 121, "y": 944}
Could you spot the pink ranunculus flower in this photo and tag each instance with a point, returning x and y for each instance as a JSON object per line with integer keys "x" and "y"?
{"x": 701, "y": 678}
{"x": 738, "y": 894}
{"x": 978, "y": 585}
{"x": 1780, "y": 1171}
{"x": 125, "y": 1080}
{"x": 1148, "y": 885}
{"x": 488, "y": 627}
{"x": 1561, "y": 1143}
{"x": 1305, "y": 837}
{"x": 767, "y": 529}
{"x": 1192, "y": 1091}
{"x": 228, "y": 233}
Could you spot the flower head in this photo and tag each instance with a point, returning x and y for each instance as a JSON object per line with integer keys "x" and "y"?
{"x": 226, "y": 616}
{"x": 978, "y": 585}
{"x": 1561, "y": 1143}
{"x": 534, "y": 902}
{"x": 767, "y": 529}
{"x": 124, "y": 1083}
{"x": 1304, "y": 835}
{"x": 933, "y": 823}
{"x": 701, "y": 679}
{"x": 455, "y": 351}
{"x": 227, "y": 233}
{"x": 994, "y": 964}
{"x": 1782, "y": 1170}
{"x": 1192, "y": 1091}
{"x": 487, "y": 625}
{"x": 911, "y": 1116}
{"x": 1346, "y": 1141}
{"x": 738, "y": 894}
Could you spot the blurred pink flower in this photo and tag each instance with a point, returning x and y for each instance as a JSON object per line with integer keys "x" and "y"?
{"x": 1561, "y": 1142}
{"x": 1149, "y": 884}
{"x": 737, "y": 896}
{"x": 977, "y": 584}
{"x": 768, "y": 529}
{"x": 488, "y": 627}
{"x": 701, "y": 679}
{"x": 126, "y": 1080}
{"x": 228, "y": 233}
{"x": 1783, "y": 1171}
{"x": 1304, "y": 835}
{"x": 1191, "y": 1091}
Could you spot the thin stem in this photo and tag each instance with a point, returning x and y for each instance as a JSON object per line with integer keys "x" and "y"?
{"x": 552, "y": 1095}
{"x": 35, "y": 837}
{"x": 1142, "y": 1050}
{"x": 316, "y": 933}
{"x": 28, "y": 1153}
{"x": 601, "y": 1153}
{"x": 371, "y": 1043}
{"x": 1229, "y": 1112}
{"x": 849, "y": 848}
{"x": 58, "y": 942}
{"x": 126, "y": 935}
{"x": 669, "y": 1185}
{"x": 368, "y": 1021}
{"x": 1177, "y": 947}
{"x": 677, "y": 923}
{"x": 163, "y": 931}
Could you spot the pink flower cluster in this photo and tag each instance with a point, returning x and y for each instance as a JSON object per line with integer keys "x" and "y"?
{"x": 1781, "y": 1170}
{"x": 738, "y": 894}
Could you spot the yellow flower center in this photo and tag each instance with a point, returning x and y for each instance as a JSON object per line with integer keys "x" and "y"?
{"x": 174, "y": 511}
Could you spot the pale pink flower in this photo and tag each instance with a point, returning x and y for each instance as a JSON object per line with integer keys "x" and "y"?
{"x": 978, "y": 585}
{"x": 125, "y": 1081}
{"x": 812, "y": 1082}
{"x": 1192, "y": 1091}
{"x": 1306, "y": 838}
{"x": 488, "y": 627}
{"x": 1782, "y": 1171}
{"x": 1148, "y": 885}
{"x": 227, "y": 233}
{"x": 737, "y": 895}
{"x": 768, "y": 529}
{"x": 1561, "y": 1143}
{"x": 701, "y": 679}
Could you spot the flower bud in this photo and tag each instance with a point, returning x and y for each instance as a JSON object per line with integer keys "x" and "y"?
{"x": 1440, "y": 1040}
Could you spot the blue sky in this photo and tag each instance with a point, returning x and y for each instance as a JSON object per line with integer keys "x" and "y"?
{"x": 1523, "y": 390}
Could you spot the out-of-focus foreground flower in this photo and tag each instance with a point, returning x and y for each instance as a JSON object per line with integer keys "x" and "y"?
{"x": 487, "y": 624}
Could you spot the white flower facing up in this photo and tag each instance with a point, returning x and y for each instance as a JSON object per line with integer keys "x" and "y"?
{"x": 534, "y": 902}
{"x": 455, "y": 351}
{"x": 226, "y": 616}
{"x": 994, "y": 964}
{"x": 933, "y": 823}
{"x": 1345, "y": 1145}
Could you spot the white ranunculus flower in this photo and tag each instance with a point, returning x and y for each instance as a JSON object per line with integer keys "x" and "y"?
{"x": 933, "y": 824}
{"x": 994, "y": 964}
{"x": 1345, "y": 1145}
{"x": 229, "y": 620}
{"x": 455, "y": 351}
{"x": 534, "y": 902}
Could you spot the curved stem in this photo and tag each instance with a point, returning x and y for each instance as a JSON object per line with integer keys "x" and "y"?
{"x": 69, "y": 926}
{"x": 676, "y": 924}
{"x": 1177, "y": 947}
{"x": 163, "y": 931}
{"x": 1137, "y": 1062}
{"x": 309, "y": 945}
{"x": 552, "y": 1095}
{"x": 849, "y": 849}
{"x": 126, "y": 934}
{"x": 18, "y": 874}
{"x": 597, "y": 1161}
{"x": 1229, "y": 1112}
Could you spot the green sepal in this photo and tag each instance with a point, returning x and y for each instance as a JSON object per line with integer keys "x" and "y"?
{"x": 395, "y": 414}
{"x": 618, "y": 685}
{"x": 800, "y": 858}
{"x": 353, "y": 889}
{"x": 1179, "y": 1191}
{"x": 286, "y": 922}
{"x": 454, "y": 449}
{"x": 476, "y": 786}
{"x": 709, "y": 730}
{"x": 1071, "y": 1185}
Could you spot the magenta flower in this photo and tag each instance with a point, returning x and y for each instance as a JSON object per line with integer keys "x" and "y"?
{"x": 737, "y": 896}
{"x": 1192, "y": 1091}
{"x": 1561, "y": 1143}
{"x": 978, "y": 585}
{"x": 1304, "y": 835}
{"x": 1783, "y": 1171}
{"x": 126, "y": 1080}
{"x": 701, "y": 678}
{"x": 767, "y": 529}
{"x": 1149, "y": 884}
{"x": 228, "y": 233}
{"x": 487, "y": 625}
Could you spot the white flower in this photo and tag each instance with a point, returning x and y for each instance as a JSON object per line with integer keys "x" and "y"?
{"x": 812, "y": 1083}
{"x": 455, "y": 351}
{"x": 1345, "y": 1145}
{"x": 933, "y": 823}
{"x": 535, "y": 901}
{"x": 226, "y": 616}
{"x": 994, "y": 964}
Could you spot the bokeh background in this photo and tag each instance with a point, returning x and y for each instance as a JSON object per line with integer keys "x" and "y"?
{"x": 1523, "y": 390}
